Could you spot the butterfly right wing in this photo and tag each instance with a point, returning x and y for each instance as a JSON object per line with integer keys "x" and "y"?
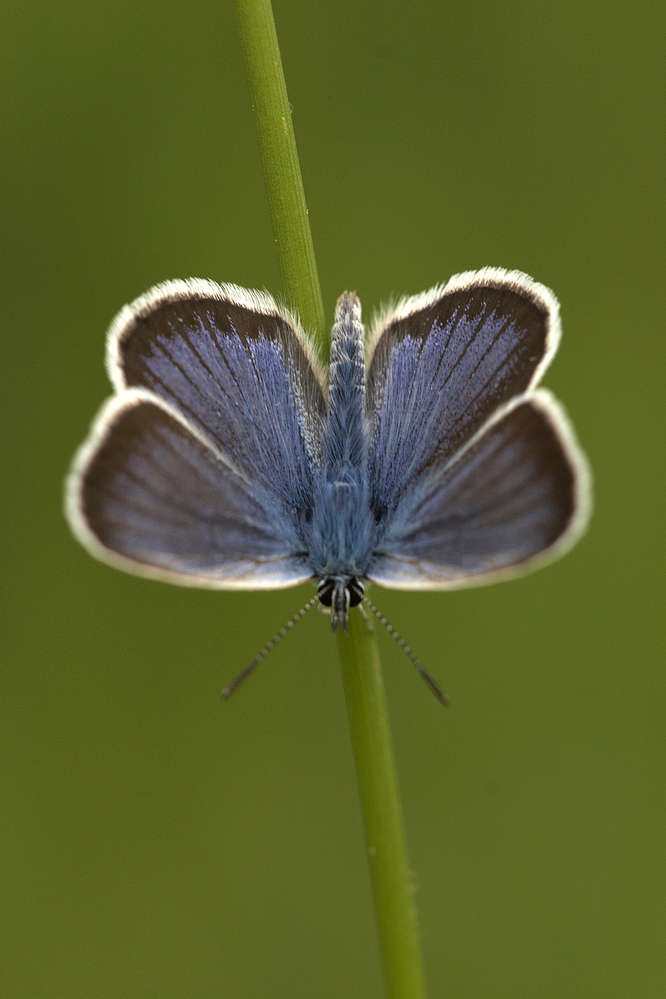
{"x": 201, "y": 470}
{"x": 150, "y": 495}
{"x": 239, "y": 370}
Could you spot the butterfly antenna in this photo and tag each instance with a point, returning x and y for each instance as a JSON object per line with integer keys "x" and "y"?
{"x": 436, "y": 689}
{"x": 228, "y": 691}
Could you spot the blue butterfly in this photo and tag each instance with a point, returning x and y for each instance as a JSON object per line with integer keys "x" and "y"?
{"x": 426, "y": 460}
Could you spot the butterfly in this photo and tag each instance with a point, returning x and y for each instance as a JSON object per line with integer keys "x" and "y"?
{"x": 427, "y": 459}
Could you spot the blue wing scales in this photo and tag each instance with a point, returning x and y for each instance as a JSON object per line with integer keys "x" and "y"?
{"x": 238, "y": 369}
{"x": 151, "y": 496}
{"x": 202, "y": 469}
{"x": 443, "y": 363}
{"x": 516, "y": 496}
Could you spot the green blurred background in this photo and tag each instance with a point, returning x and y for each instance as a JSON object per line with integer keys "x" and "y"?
{"x": 159, "y": 844}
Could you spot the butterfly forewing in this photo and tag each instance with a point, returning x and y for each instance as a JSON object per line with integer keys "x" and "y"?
{"x": 153, "y": 497}
{"x": 515, "y": 495}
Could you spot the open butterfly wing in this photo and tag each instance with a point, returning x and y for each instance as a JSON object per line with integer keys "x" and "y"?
{"x": 201, "y": 468}
{"x": 472, "y": 473}
{"x": 517, "y": 496}
{"x": 151, "y": 496}
{"x": 443, "y": 363}
{"x": 236, "y": 366}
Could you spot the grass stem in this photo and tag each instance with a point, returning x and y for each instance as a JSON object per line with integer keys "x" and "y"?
{"x": 359, "y": 657}
{"x": 282, "y": 171}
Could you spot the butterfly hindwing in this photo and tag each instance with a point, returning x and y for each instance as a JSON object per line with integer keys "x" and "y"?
{"x": 237, "y": 367}
{"x": 443, "y": 363}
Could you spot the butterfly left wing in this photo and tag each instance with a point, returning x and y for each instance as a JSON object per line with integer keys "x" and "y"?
{"x": 472, "y": 473}
{"x": 443, "y": 363}
{"x": 515, "y": 497}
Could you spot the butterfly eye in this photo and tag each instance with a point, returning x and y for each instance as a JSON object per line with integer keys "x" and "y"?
{"x": 355, "y": 592}
{"x": 325, "y": 592}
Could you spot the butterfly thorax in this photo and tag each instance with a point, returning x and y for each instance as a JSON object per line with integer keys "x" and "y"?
{"x": 341, "y": 530}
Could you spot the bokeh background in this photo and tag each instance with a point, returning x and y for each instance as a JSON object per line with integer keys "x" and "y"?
{"x": 159, "y": 844}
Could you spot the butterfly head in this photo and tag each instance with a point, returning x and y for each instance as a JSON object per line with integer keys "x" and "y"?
{"x": 340, "y": 593}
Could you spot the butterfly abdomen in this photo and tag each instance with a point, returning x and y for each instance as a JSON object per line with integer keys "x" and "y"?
{"x": 344, "y": 436}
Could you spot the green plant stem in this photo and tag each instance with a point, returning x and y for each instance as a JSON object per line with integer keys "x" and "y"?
{"x": 359, "y": 656}
{"x": 382, "y": 817}
{"x": 282, "y": 171}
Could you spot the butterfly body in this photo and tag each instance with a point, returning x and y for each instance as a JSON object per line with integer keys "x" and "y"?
{"x": 342, "y": 532}
{"x": 426, "y": 459}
